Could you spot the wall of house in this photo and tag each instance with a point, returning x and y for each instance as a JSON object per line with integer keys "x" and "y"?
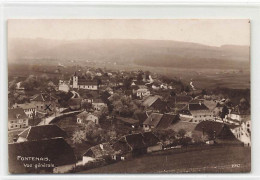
{"x": 64, "y": 87}
{"x": 98, "y": 106}
{"x": 93, "y": 119}
{"x": 17, "y": 124}
{"x": 198, "y": 116}
{"x": 242, "y": 133}
{"x": 87, "y": 159}
{"x": 235, "y": 117}
{"x": 64, "y": 168}
{"x": 21, "y": 139}
{"x": 157, "y": 147}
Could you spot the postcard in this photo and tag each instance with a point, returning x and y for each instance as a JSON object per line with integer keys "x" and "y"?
{"x": 111, "y": 96}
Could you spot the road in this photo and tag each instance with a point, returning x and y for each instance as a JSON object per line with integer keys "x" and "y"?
{"x": 47, "y": 120}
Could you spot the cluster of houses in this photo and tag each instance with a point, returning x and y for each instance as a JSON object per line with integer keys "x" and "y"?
{"x": 158, "y": 112}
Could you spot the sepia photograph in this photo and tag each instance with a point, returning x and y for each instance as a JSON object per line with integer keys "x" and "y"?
{"x": 128, "y": 96}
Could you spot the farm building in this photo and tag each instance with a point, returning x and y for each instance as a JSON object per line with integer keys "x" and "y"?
{"x": 35, "y": 133}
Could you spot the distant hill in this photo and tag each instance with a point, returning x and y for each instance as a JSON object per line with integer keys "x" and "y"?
{"x": 141, "y": 52}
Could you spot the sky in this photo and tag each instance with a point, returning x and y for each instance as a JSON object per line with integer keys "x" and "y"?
{"x": 215, "y": 32}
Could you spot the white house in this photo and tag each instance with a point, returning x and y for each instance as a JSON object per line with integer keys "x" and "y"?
{"x": 98, "y": 104}
{"x": 142, "y": 92}
{"x": 85, "y": 116}
{"x": 28, "y": 108}
{"x": 243, "y": 132}
{"x": 17, "y": 119}
{"x": 64, "y": 86}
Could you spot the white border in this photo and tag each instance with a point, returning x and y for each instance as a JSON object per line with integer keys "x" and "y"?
{"x": 134, "y": 10}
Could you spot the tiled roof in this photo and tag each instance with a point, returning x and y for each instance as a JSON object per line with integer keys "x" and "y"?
{"x": 195, "y": 107}
{"x": 35, "y": 133}
{"x": 150, "y": 100}
{"x": 153, "y": 119}
{"x": 16, "y": 113}
{"x": 100, "y": 150}
{"x": 167, "y": 120}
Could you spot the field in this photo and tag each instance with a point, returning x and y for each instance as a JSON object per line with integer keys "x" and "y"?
{"x": 228, "y": 159}
{"x": 201, "y": 78}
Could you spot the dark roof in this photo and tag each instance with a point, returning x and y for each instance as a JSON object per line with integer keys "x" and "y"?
{"x": 56, "y": 150}
{"x": 122, "y": 146}
{"x": 195, "y": 107}
{"x": 153, "y": 119}
{"x": 159, "y": 105}
{"x": 129, "y": 120}
{"x": 35, "y": 133}
{"x": 16, "y": 113}
{"x": 150, "y": 139}
{"x": 98, "y": 100}
{"x": 167, "y": 120}
{"x": 183, "y": 98}
{"x": 141, "y": 117}
{"x": 100, "y": 150}
{"x": 150, "y": 100}
{"x": 221, "y": 130}
{"x": 135, "y": 141}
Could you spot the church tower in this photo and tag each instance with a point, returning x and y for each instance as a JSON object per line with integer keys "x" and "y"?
{"x": 75, "y": 81}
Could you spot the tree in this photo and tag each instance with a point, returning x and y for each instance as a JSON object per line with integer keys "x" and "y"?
{"x": 140, "y": 76}
{"x": 224, "y": 112}
{"x": 86, "y": 105}
{"x": 172, "y": 94}
{"x": 182, "y": 133}
{"x": 204, "y": 92}
{"x": 127, "y": 83}
{"x": 187, "y": 89}
{"x": 244, "y": 104}
{"x": 78, "y": 137}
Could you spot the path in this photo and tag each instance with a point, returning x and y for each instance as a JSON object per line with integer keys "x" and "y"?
{"x": 48, "y": 120}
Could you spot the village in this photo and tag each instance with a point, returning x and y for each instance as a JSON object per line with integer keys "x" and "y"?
{"x": 95, "y": 117}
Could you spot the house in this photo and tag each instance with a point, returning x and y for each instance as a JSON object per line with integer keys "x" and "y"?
{"x": 197, "y": 112}
{"x": 45, "y": 103}
{"x": 133, "y": 123}
{"x": 17, "y": 119}
{"x": 150, "y": 100}
{"x": 43, "y": 156}
{"x": 78, "y": 82}
{"x": 243, "y": 131}
{"x": 64, "y": 86}
{"x": 141, "y": 117}
{"x": 36, "y": 133}
{"x": 155, "y": 86}
{"x": 136, "y": 144}
{"x": 238, "y": 114}
{"x": 215, "y": 130}
{"x": 86, "y": 116}
{"x": 98, "y": 104}
{"x": 100, "y": 151}
{"x": 151, "y": 142}
{"x": 28, "y": 108}
{"x": 19, "y": 86}
{"x": 159, "y": 121}
{"x": 152, "y": 121}
{"x": 142, "y": 92}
